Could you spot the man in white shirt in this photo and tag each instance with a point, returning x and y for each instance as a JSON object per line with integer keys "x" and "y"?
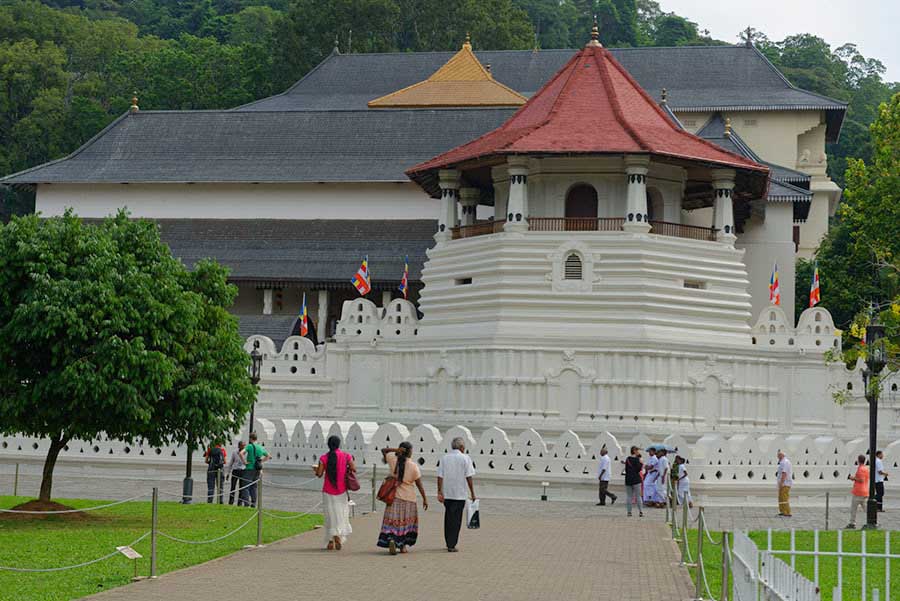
{"x": 603, "y": 475}
{"x": 785, "y": 479}
{"x": 454, "y": 475}
{"x": 880, "y": 476}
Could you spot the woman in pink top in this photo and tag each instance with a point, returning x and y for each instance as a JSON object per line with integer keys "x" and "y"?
{"x": 334, "y": 465}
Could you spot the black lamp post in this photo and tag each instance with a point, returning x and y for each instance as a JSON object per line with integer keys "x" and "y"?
{"x": 255, "y": 371}
{"x": 875, "y": 362}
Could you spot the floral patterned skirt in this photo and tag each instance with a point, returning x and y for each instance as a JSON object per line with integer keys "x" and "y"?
{"x": 400, "y": 524}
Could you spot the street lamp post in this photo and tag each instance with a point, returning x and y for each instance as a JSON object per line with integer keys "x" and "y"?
{"x": 255, "y": 370}
{"x": 875, "y": 362}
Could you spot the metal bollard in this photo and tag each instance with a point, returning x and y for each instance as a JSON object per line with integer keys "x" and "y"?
{"x": 374, "y": 476}
{"x": 827, "y": 506}
{"x": 700, "y": 526}
{"x": 154, "y": 521}
{"x": 16, "y": 482}
{"x": 726, "y": 567}
{"x": 259, "y": 511}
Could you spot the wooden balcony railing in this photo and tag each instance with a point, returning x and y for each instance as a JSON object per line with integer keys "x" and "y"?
{"x": 575, "y": 224}
{"x": 477, "y": 229}
{"x": 587, "y": 224}
{"x": 680, "y": 230}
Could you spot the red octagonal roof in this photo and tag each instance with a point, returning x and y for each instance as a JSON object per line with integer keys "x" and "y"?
{"x": 591, "y": 106}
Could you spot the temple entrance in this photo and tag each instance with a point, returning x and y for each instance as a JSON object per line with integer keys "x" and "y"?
{"x": 581, "y": 208}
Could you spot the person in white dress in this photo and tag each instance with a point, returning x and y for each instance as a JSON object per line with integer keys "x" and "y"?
{"x": 683, "y": 489}
{"x": 650, "y": 478}
{"x": 662, "y": 477}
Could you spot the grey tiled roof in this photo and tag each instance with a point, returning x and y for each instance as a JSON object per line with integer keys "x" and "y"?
{"x": 229, "y": 146}
{"x": 286, "y": 250}
{"x": 276, "y": 327}
{"x": 698, "y": 78}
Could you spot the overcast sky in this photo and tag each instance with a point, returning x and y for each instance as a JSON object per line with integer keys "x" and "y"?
{"x": 870, "y": 24}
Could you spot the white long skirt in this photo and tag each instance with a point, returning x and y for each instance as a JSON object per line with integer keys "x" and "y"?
{"x": 337, "y": 517}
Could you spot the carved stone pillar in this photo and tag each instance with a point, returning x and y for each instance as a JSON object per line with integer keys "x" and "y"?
{"x": 517, "y": 207}
{"x": 723, "y": 186}
{"x": 636, "y": 214}
{"x": 468, "y": 200}
{"x": 448, "y": 179}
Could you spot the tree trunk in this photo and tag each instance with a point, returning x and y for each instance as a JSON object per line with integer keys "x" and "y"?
{"x": 56, "y": 445}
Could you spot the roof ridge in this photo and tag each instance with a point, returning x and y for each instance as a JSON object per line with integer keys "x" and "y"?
{"x": 788, "y": 82}
{"x": 330, "y": 56}
{"x": 614, "y": 97}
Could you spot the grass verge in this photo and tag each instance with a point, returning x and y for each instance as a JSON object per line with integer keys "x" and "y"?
{"x": 828, "y": 566}
{"x": 53, "y": 541}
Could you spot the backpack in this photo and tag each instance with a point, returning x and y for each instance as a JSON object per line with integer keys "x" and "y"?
{"x": 216, "y": 459}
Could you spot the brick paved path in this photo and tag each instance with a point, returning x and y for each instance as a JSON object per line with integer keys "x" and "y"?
{"x": 510, "y": 558}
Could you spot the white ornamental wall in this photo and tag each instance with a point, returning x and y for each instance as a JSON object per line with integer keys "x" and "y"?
{"x": 720, "y": 466}
{"x": 781, "y": 384}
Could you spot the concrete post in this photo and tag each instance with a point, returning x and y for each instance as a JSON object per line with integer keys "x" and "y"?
{"x": 723, "y": 185}
{"x": 517, "y": 207}
{"x": 448, "y": 180}
{"x": 385, "y": 298}
{"x": 636, "y": 214}
{"x": 267, "y": 301}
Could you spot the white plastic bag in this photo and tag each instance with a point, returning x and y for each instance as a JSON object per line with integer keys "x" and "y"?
{"x": 473, "y": 521}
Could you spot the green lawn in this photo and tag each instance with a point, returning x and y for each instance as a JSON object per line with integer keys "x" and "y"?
{"x": 875, "y": 568}
{"x": 54, "y": 541}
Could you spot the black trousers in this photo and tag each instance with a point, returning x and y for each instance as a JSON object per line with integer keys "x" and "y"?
{"x": 238, "y": 482}
{"x": 453, "y": 516}
{"x": 214, "y": 479}
{"x": 604, "y": 492}
{"x": 879, "y": 495}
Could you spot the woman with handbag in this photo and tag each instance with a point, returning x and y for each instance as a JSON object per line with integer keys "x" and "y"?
{"x": 340, "y": 476}
{"x": 400, "y": 525}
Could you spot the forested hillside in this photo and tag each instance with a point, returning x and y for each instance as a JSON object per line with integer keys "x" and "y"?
{"x": 69, "y": 67}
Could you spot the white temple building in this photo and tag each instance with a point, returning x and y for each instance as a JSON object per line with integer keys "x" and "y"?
{"x": 590, "y": 234}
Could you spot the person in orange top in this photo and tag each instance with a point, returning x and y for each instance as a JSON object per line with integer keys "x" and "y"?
{"x": 860, "y": 489}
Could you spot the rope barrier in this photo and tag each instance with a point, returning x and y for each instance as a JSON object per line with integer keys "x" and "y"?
{"x": 293, "y": 517}
{"x": 297, "y": 487}
{"x": 212, "y": 540}
{"x": 198, "y": 495}
{"x": 61, "y": 511}
{"x": 73, "y": 567}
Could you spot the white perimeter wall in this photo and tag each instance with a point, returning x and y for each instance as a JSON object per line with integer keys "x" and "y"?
{"x": 365, "y": 200}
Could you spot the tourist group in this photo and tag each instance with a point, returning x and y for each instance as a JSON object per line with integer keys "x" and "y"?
{"x": 647, "y": 484}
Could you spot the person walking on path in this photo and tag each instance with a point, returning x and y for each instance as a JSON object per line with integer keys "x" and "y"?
{"x": 784, "y": 479}
{"x": 454, "y": 484}
{"x": 215, "y": 477}
{"x": 400, "y": 525}
{"x": 334, "y": 466}
{"x": 235, "y": 471}
{"x": 650, "y": 478}
{"x": 254, "y": 455}
{"x": 860, "y": 490}
{"x": 880, "y": 477}
{"x": 683, "y": 486}
{"x": 662, "y": 478}
{"x": 633, "y": 468}
{"x": 603, "y": 476}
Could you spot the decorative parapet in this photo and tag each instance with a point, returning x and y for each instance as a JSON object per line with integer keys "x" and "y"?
{"x": 815, "y": 330}
{"x": 361, "y": 319}
{"x": 298, "y": 357}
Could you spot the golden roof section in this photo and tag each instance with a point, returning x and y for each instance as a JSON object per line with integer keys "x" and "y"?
{"x": 462, "y": 81}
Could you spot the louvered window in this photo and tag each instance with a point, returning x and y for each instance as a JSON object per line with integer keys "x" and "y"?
{"x": 573, "y": 267}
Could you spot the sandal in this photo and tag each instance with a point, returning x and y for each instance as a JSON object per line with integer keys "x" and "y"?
{"x": 330, "y": 546}
{"x": 392, "y": 548}
{"x": 337, "y": 544}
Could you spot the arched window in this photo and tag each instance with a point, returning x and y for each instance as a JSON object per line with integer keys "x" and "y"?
{"x": 572, "y": 267}
{"x": 581, "y": 208}
{"x": 655, "y": 210}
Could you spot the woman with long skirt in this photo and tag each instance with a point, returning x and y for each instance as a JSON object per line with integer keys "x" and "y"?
{"x": 334, "y": 465}
{"x": 400, "y": 525}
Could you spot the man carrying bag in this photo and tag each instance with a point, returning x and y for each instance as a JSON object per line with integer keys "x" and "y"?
{"x": 454, "y": 475}
{"x": 254, "y": 456}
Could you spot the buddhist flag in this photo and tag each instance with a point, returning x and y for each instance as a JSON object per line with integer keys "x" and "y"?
{"x": 814, "y": 294}
{"x": 404, "y": 283}
{"x": 774, "y": 287}
{"x": 304, "y": 318}
{"x": 361, "y": 280}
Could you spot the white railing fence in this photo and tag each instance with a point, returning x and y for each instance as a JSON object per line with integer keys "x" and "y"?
{"x": 841, "y": 562}
{"x": 759, "y": 575}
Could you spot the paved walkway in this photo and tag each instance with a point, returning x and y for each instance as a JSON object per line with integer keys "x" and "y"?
{"x": 510, "y": 558}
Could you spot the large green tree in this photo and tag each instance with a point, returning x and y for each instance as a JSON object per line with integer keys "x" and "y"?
{"x": 859, "y": 259}
{"x": 103, "y": 332}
